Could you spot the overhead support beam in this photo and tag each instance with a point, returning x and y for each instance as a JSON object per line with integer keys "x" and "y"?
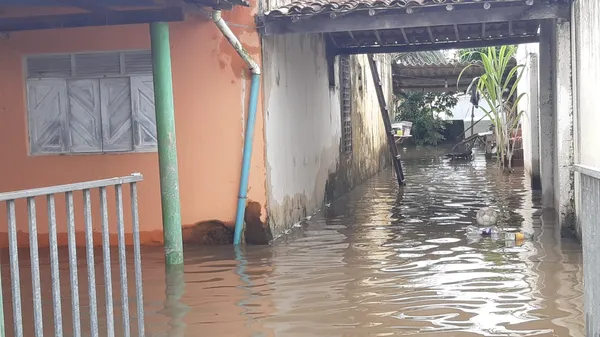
{"x": 111, "y": 18}
{"x": 406, "y": 40}
{"x": 402, "y": 81}
{"x": 456, "y": 33}
{"x": 333, "y": 40}
{"x": 88, "y": 5}
{"x": 483, "y": 31}
{"x": 431, "y": 38}
{"x": 378, "y": 37}
{"x": 435, "y": 88}
{"x": 394, "y": 19}
{"x": 351, "y": 36}
{"x": 437, "y": 46}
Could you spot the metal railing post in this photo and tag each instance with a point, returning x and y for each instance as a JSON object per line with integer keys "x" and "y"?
{"x": 49, "y": 193}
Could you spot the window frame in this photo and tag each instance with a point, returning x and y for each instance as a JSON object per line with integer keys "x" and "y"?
{"x": 136, "y": 148}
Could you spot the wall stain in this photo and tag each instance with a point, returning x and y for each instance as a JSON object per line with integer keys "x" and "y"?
{"x": 369, "y": 156}
{"x": 211, "y": 232}
{"x": 231, "y": 58}
{"x": 216, "y": 232}
{"x": 222, "y": 63}
{"x": 256, "y": 232}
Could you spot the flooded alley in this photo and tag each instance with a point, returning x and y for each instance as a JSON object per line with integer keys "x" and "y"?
{"x": 379, "y": 262}
{"x": 384, "y": 262}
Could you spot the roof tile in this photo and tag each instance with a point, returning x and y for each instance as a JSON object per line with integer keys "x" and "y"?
{"x": 312, "y": 7}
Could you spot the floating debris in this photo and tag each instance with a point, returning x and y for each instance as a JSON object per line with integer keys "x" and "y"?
{"x": 487, "y": 217}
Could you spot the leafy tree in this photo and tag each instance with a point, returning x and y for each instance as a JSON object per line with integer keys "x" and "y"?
{"x": 426, "y": 111}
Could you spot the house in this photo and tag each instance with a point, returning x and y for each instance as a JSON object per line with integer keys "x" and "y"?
{"x": 78, "y": 103}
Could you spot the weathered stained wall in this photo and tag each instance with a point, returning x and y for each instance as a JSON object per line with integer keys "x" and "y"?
{"x": 563, "y": 123}
{"x": 370, "y": 151}
{"x": 211, "y": 89}
{"x": 587, "y": 30}
{"x": 303, "y": 128}
{"x": 555, "y": 128}
{"x": 586, "y": 39}
{"x": 546, "y": 129}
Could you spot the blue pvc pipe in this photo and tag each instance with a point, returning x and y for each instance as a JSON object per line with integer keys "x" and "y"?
{"x": 246, "y": 158}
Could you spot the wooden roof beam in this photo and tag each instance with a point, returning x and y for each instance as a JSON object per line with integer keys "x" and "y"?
{"x": 333, "y": 40}
{"x": 378, "y": 37}
{"x": 88, "y": 5}
{"x": 483, "y": 31}
{"x": 394, "y": 20}
{"x": 352, "y": 37}
{"x": 92, "y": 19}
{"x": 456, "y": 33}
{"x": 406, "y": 40}
{"x": 431, "y": 38}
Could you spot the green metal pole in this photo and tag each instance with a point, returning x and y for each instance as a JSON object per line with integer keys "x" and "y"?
{"x": 167, "y": 146}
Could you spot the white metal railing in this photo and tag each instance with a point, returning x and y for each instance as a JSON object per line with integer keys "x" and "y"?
{"x": 588, "y": 171}
{"x": 49, "y": 192}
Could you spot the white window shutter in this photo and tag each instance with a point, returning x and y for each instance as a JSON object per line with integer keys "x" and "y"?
{"x": 49, "y": 66}
{"x": 138, "y": 62}
{"x": 144, "y": 114}
{"x": 85, "y": 124}
{"x": 97, "y": 65}
{"x": 47, "y": 105}
{"x": 117, "y": 126}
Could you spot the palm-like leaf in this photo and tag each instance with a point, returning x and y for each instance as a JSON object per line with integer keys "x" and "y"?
{"x": 497, "y": 86}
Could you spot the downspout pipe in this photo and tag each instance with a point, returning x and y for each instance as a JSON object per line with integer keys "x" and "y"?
{"x": 249, "y": 134}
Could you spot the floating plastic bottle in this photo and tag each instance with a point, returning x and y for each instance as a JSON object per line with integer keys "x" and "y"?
{"x": 517, "y": 236}
{"x": 495, "y": 233}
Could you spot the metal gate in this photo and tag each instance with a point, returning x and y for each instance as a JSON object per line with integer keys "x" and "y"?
{"x": 35, "y": 316}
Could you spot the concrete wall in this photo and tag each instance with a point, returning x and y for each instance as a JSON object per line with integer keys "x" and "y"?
{"x": 528, "y": 55}
{"x": 563, "y": 124}
{"x": 305, "y": 163}
{"x": 555, "y": 129}
{"x": 587, "y": 30}
{"x": 586, "y": 40}
{"x": 462, "y": 110}
{"x": 211, "y": 89}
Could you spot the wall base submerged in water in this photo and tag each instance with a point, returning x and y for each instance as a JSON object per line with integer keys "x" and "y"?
{"x": 308, "y": 163}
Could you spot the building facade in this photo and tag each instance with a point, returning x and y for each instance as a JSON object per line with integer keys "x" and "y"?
{"x": 78, "y": 105}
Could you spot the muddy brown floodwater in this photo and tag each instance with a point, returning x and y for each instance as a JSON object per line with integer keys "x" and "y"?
{"x": 379, "y": 262}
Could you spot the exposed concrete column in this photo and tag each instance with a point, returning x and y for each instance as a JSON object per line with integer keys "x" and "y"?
{"x": 563, "y": 123}
{"x": 546, "y": 112}
{"x": 534, "y": 119}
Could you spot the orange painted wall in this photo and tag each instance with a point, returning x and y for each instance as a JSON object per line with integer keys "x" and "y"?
{"x": 211, "y": 89}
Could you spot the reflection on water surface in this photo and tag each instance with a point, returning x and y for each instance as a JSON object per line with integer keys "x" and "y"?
{"x": 384, "y": 262}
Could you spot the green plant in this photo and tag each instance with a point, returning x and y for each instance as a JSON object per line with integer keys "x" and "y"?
{"x": 498, "y": 87}
{"x": 425, "y": 110}
{"x": 474, "y": 54}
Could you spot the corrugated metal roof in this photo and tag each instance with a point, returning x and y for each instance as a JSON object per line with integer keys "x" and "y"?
{"x": 424, "y": 58}
{"x": 313, "y": 7}
{"x": 433, "y": 71}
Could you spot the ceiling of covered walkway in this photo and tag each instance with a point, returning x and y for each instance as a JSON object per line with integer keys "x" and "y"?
{"x": 393, "y": 26}
{"x": 22, "y": 15}
{"x": 434, "y": 71}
